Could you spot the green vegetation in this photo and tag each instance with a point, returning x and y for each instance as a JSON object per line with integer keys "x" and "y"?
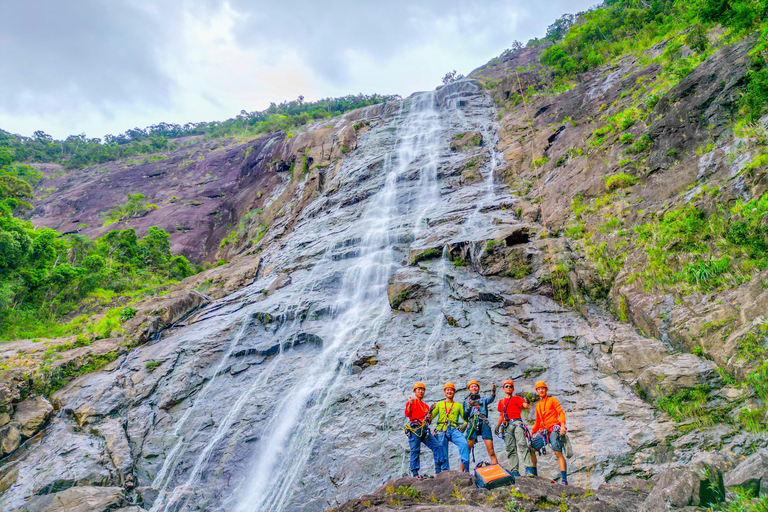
{"x": 690, "y": 403}
{"x": 621, "y": 26}
{"x": 641, "y": 145}
{"x": 58, "y": 378}
{"x": 518, "y": 267}
{"x": 743, "y": 501}
{"x": 407, "y": 490}
{"x": 79, "y": 150}
{"x": 134, "y": 206}
{"x": 620, "y": 180}
{"x": 45, "y": 277}
{"x": 706, "y": 250}
{"x": 558, "y": 278}
{"x": 152, "y": 365}
{"x": 429, "y": 254}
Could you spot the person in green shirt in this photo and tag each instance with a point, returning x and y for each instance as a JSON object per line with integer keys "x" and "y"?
{"x": 449, "y": 414}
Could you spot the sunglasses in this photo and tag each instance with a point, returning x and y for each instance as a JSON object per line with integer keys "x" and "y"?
{"x": 510, "y": 387}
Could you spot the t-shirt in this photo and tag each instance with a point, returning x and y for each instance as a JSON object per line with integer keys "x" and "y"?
{"x": 447, "y": 414}
{"x": 513, "y": 406}
{"x": 416, "y": 410}
{"x": 548, "y": 414}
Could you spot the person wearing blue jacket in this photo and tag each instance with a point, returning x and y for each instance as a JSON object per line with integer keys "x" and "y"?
{"x": 476, "y": 415}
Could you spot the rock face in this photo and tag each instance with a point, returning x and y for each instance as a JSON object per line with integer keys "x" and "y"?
{"x": 314, "y": 359}
{"x": 76, "y": 499}
{"x": 197, "y": 188}
{"x": 677, "y": 372}
{"x": 382, "y": 263}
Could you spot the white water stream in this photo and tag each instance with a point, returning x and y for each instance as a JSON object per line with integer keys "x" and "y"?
{"x": 361, "y": 307}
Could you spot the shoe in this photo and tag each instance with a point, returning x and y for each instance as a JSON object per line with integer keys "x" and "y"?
{"x": 530, "y": 472}
{"x": 515, "y": 474}
{"x": 563, "y": 483}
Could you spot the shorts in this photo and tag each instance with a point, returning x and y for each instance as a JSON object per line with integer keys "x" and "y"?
{"x": 484, "y": 431}
{"x": 555, "y": 441}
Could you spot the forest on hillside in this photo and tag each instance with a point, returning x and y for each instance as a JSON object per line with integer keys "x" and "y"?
{"x": 79, "y": 151}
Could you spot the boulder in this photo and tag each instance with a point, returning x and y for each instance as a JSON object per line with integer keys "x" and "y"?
{"x": 677, "y": 372}
{"x": 406, "y": 285}
{"x": 634, "y": 354}
{"x": 10, "y": 438}
{"x": 410, "y": 306}
{"x": 31, "y": 415}
{"x": 681, "y": 487}
{"x": 751, "y": 474}
{"x": 77, "y": 499}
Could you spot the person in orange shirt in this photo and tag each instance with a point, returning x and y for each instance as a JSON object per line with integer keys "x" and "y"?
{"x": 550, "y": 420}
{"x": 418, "y": 432}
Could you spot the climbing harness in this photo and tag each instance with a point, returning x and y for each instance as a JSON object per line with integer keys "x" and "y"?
{"x": 447, "y": 411}
{"x": 416, "y": 428}
{"x": 476, "y": 424}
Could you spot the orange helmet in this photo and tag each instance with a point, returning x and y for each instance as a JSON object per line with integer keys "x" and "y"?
{"x": 473, "y": 382}
{"x": 509, "y": 381}
{"x": 540, "y": 384}
{"x": 449, "y": 385}
{"x": 419, "y": 385}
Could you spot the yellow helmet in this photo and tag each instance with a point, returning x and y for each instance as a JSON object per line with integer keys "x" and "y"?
{"x": 449, "y": 385}
{"x": 419, "y": 385}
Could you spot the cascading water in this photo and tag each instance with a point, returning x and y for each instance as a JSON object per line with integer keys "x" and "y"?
{"x": 361, "y": 307}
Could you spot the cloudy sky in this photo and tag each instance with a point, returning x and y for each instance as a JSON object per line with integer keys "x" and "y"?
{"x": 104, "y": 66}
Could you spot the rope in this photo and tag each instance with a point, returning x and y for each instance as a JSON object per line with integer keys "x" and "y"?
{"x": 418, "y": 431}
{"x": 552, "y": 259}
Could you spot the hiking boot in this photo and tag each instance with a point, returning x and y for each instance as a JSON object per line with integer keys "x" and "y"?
{"x": 530, "y": 472}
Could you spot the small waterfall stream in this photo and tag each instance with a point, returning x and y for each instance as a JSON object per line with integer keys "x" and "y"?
{"x": 361, "y": 307}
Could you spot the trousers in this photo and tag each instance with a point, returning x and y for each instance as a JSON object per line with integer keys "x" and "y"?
{"x": 455, "y": 436}
{"x": 415, "y": 444}
{"x": 517, "y": 447}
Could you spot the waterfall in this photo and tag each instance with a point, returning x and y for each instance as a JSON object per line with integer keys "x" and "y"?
{"x": 361, "y": 309}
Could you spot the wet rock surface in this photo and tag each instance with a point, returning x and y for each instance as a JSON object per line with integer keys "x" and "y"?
{"x": 76, "y": 499}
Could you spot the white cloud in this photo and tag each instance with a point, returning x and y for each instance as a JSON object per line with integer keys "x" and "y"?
{"x": 95, "y": 67}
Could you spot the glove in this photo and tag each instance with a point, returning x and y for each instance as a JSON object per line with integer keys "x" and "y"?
{"x": 462, "y": 427}
{"x": 497, "y": 430}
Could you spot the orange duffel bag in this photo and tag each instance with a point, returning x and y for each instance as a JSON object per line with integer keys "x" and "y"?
{"x": 491, "y": 476}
